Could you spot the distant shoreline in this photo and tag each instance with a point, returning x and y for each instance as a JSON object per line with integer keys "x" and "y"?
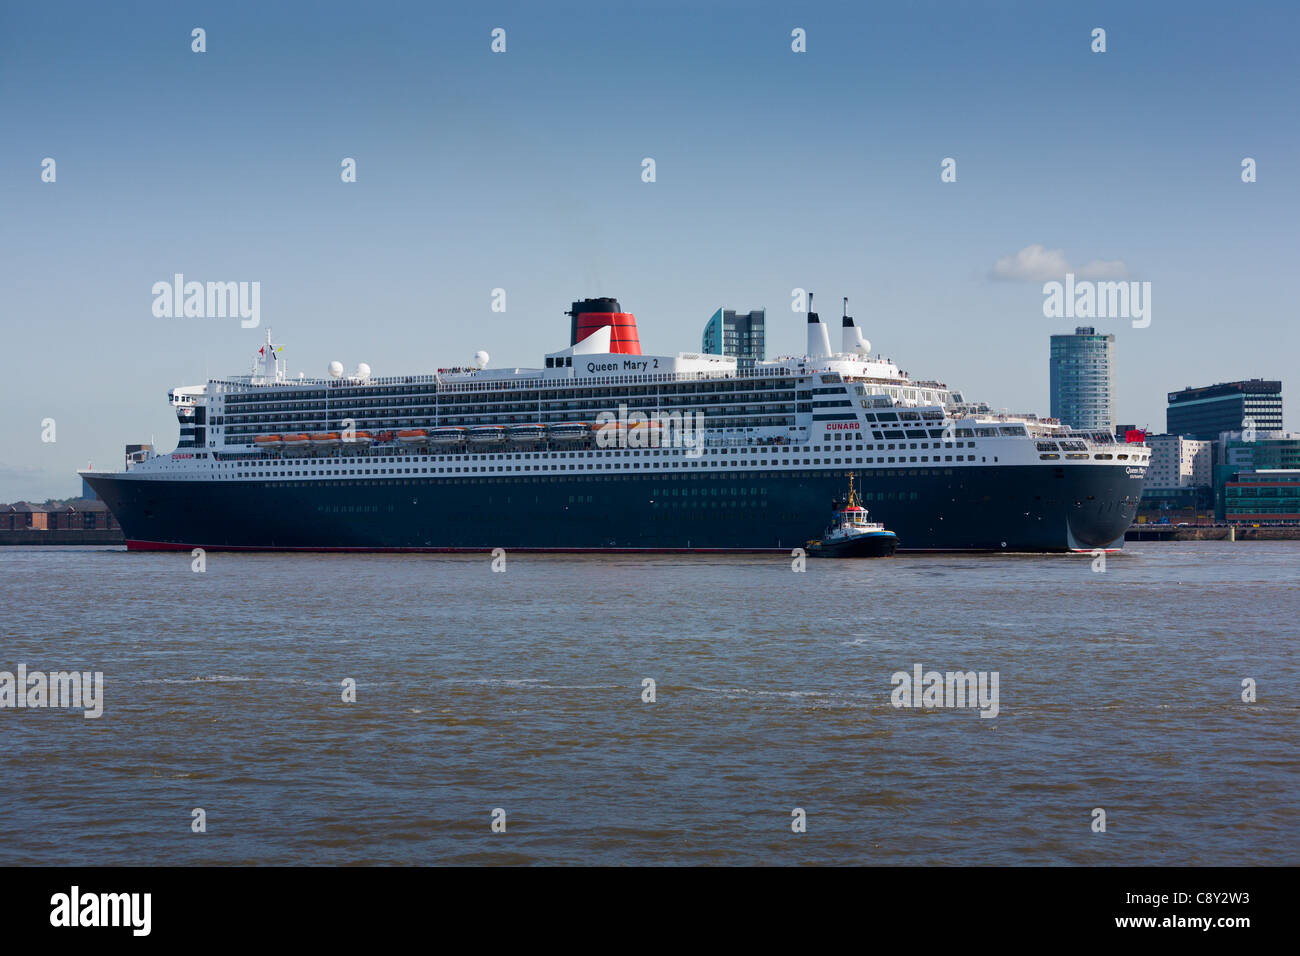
{"x": 1173, "y": 533}
{"x": 38, "y": 538}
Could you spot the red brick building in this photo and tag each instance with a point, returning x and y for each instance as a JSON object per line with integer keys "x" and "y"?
{"x": 77, "y": 515}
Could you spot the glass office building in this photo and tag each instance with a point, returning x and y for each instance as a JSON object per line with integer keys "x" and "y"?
{"x": 1269, "y": 496}
{"x": 738, "y": 334}
{"x": 1083, "y": 379}
{"x": 1207, "y": 412}
{"x": 1269, "y": 451}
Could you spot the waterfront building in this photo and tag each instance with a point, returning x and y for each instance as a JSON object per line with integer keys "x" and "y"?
{"x": 1178, "y": 462}
{"x": 1082, "y": 378}
{"x": 1270, "y": 495}
{"x": 1234, "y": 455}
{"x": 19, "y": 516}
{"x": 78, "y": 514}
{"x": 1181, "y": 474}
{"x": 1208, "y": 411}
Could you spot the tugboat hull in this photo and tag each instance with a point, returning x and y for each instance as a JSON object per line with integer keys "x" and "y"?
{"x": 879, "y": 545}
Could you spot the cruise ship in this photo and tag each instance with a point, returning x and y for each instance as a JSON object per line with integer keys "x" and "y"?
{"x": 604, "y": 448}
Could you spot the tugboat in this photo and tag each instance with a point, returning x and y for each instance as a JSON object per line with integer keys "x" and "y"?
{"x": 850, "y": 535}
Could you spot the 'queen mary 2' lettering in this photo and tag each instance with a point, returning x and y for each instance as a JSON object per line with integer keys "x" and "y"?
{"x": 627, "y": 365}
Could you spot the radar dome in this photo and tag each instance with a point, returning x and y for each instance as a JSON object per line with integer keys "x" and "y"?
{"x": 480, "y": 359}
{"x": 336, "y": 369}
{"x": 865, "y": 347}
{"x": 363, "y": 371}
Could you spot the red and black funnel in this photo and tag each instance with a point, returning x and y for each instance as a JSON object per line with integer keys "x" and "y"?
{"x": 588, "y": 315}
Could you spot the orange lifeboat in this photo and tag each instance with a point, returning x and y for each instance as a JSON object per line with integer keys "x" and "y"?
{"x": 412, "y": 436}
{"x": 325, "y": 440}
{"x": 644, "y": 434}
{"x": 610, "y": 434}
{"x": 268, "y": 442}
{"x": 297, "y": 442}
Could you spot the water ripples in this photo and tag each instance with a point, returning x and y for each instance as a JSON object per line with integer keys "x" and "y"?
{"x": 523, "y": 691}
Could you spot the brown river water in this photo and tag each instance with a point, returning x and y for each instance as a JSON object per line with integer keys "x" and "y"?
{"x": 478, "y": 690}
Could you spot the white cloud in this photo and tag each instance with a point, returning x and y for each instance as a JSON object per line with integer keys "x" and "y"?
{"x": 1038, "y": 264}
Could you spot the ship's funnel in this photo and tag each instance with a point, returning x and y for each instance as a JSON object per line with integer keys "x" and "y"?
{"x": 819, "y": 339}
{"x": 853, "y": 342}
{"x": 588, "y": 315}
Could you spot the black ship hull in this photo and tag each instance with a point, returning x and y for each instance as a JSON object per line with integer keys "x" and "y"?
{"x": 1009, "y": 508}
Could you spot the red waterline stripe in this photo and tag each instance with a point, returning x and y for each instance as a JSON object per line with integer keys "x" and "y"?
{"x": 137, "y": 545}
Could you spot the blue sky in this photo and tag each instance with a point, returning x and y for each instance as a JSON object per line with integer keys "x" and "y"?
{"x": 522, "y": 171}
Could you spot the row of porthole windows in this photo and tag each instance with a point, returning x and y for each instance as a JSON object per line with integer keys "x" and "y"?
{"x": 617, "y": 466}
{"x": 913, "y": 473}
{"x": 708, "y": 491}
{"x": 251, "y": 410}
{"x": 763, "y": 450}
{"x": 737, "y": 503}
{"x": 529, "y": 456}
